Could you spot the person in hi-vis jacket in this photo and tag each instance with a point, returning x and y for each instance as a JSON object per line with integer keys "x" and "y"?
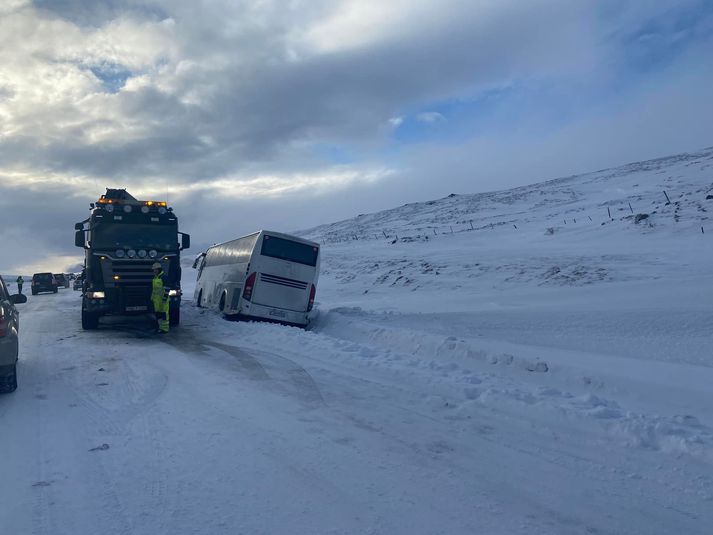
{"x": 159, "y": 297}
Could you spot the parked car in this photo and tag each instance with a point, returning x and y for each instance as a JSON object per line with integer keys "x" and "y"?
{"x": 43, "y": 282}
{"x": 9, "y": 346}
{"x": 62, "y": 280}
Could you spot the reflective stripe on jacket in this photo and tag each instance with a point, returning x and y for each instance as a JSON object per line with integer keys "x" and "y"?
{"x": 159, "y": 290}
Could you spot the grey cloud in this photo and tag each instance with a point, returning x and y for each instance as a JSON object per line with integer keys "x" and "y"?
{"x": 97, "y": 13}
{"x": 256, "y": 103}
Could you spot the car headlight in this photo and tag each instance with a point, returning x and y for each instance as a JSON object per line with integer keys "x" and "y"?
{"x": 142, "y": 253}
{"x": 153, "y": 253}
{"x": 95, "y": 295}
{"x": 131, "y": 253}
{"x": 119, "y": 253}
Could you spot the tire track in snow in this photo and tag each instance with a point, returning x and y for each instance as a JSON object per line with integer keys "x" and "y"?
{"x": 284, "y": 374}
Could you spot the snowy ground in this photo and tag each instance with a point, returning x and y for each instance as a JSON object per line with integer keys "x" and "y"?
{"x": 496, "y": 380}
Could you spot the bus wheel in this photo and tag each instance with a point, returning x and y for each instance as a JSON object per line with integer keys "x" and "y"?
{"x": 89, "y": 321}
{"x": 221, "y": 305}
{"x": 174, "y": 315}
{"x": 199, "y": 301}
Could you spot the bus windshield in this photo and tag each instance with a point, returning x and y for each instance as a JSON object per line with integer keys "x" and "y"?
{"x": 289, "y": 250}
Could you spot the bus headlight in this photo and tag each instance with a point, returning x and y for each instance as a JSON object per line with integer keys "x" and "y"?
{"x": 131, "y": 253}
{"x": 153, "y": 253}
{"x": 142, "y": 253}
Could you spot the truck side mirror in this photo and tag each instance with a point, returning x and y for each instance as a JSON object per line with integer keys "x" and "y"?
{"x": 78, "y": 226}
{"x": 79, "y": 239}
{"x": 185, "y": 241}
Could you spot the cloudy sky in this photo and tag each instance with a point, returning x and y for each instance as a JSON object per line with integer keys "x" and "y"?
{"x": 285, "y": 114}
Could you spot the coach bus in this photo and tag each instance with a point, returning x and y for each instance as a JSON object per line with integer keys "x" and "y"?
{"x": 266, "y": 275}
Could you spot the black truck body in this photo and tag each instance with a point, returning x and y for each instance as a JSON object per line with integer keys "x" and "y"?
{"x": 122, "y": 238}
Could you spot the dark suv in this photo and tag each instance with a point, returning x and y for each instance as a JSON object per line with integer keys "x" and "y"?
{"x": 9, "y": 327}
{"x": 43, "y": 282}
{"x": 61, "y": 280}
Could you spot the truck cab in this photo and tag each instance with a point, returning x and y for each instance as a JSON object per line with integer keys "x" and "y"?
{"x": 122, "y": 238}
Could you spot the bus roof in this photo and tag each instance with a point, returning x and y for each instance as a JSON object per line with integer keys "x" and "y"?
{"x": 271, "y": 233}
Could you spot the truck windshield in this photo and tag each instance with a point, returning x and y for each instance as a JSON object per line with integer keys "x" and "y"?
{"x": 135, "y": 235}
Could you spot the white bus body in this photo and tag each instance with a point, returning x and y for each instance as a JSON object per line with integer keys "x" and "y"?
{"x": 266, "y": 275}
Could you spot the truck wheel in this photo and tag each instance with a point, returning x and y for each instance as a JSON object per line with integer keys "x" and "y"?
{"x": 9, "y": 382}
{"x": 34, "y": 292}
{"x": 55, "y": 290}
{"x": 174, "y": 315}
{"x": 90, "y": 320}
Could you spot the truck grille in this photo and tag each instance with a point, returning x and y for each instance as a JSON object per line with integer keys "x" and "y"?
{"x": 283, "y": 281}
{"x": 137, "y": 296}
{"x": 132, "y": 272}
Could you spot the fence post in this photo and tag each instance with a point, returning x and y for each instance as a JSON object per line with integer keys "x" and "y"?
{"x": 451, "y": 229}
{"x": 630, "y": 208}
{"x": 609, "y": 212}
{"x": 384, "y": 233}
{"x": 471, "y": 224}
{"x": 668, "y": 201}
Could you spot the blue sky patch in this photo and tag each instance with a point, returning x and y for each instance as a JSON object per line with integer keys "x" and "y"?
{"x": 112, "y": 76}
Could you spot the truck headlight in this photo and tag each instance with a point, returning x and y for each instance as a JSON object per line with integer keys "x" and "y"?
{"x": 142, "y": 253}
{"x": 95, "y": 295}
{"x": 131, "y": 253}
{"x": 120, "y": 253}
{"x": 174, "y": 293}
{"x": 153, "y": 253}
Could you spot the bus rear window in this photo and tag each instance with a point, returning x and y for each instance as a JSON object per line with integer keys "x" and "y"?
{"x": 289, "y": 250}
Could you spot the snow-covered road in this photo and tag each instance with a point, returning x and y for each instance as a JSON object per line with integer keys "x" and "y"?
{"x": 226, "y": 427}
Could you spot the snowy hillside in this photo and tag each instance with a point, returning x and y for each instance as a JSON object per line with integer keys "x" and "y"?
{"x": 579, "y": 201}
{"x": 544, "y": 368}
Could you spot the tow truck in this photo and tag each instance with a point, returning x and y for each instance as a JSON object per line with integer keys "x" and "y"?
{"x": 122, "y": 238}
